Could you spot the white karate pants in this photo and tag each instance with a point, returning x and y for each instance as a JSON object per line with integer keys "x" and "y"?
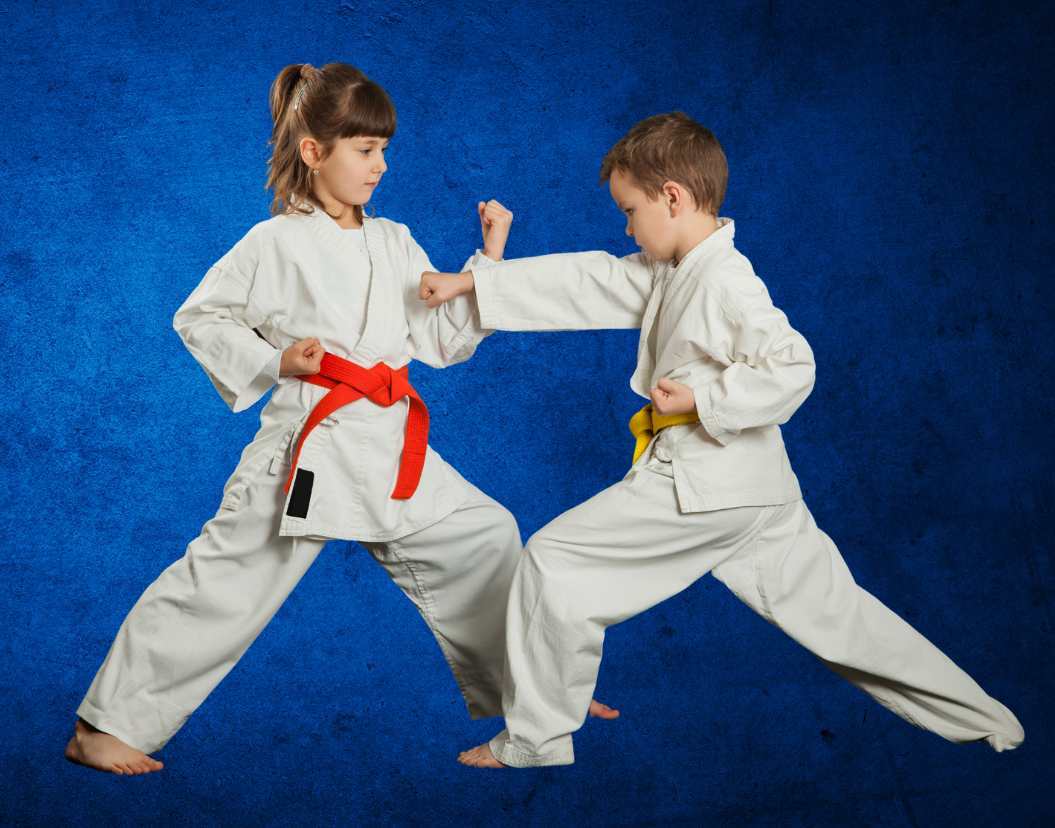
{"x": 196, "y": 620}
{"x": 630, "y": 547}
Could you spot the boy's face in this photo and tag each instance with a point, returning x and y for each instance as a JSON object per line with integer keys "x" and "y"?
{"x": 649, "y": 223}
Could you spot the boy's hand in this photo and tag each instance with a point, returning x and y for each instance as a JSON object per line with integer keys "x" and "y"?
{"x": 495, "y": 221}
{"x": 301, "y": 358}
{"x": 672, "y": 398}
{"x": 437, "y": 288}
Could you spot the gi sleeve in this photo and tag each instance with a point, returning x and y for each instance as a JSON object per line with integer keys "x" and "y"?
{"x": 447, "y": 334}
{"x": 769, "y": 365}
{"x": 216, "y": 324}
{"x": 564, "y": 292}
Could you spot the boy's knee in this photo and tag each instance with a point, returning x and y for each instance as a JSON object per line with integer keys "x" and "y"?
{"x": 545, "y": 553}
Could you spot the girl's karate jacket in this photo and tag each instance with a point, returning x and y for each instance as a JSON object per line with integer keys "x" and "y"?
{"x": 296, "y": 276}
{"x": 707, "y": 323}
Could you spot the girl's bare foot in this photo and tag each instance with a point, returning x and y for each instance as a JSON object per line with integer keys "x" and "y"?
{"x": 94, "y": 749}
{"x": 602, "y": 711}
{"x": 479, "y": 757}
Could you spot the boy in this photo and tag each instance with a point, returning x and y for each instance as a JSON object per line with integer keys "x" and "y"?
{"x": 711, "y": 488}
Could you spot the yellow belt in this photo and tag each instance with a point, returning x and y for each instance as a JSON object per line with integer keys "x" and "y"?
{"x": 646, "y": 424}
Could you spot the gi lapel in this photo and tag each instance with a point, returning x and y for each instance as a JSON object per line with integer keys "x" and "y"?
{"x": 350, "y": 263}
{"x": 371, "y": 345}
{"x": 641, "y": 381}
{"x": 665, "y": 285}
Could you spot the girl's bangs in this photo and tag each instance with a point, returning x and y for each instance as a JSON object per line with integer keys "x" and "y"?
{"x": 371, "y": 114}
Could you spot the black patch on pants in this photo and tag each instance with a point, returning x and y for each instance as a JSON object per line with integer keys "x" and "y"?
{"x": 298, "y": 501}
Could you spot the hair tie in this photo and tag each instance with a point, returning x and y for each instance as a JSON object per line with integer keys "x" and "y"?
{"x": 300, "y": 94}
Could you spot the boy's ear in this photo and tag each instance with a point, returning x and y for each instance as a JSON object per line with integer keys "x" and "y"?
{"x": 676, "y": 197}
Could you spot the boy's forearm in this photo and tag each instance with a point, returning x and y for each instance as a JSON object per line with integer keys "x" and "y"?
{"x": 465, "y": 282}
{"x": 563, "y": 291}
{"x": 746, "y": 396}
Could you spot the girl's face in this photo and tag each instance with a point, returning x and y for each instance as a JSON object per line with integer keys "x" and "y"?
{"x": 348, "y": 175}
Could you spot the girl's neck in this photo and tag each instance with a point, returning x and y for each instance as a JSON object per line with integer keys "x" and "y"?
{"x": 346, "y": 216}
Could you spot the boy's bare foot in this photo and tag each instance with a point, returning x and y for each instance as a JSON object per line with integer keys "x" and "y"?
{"x": 602, "y": 711}
{"x": 94, "y": 749}
{"x": 479, "y": 757}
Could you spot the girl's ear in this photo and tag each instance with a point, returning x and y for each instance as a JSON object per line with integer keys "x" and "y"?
{"x": 309, "y": 151}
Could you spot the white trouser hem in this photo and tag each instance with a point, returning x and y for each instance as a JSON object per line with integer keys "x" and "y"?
{"x": 110, "y": 725}
{"x": 500, "y": 749}
{"x": 1001, "y": 742}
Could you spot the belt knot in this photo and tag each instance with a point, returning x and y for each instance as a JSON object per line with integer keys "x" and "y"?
{"x": 381, "y": 385}
{"x": 646, "y": 424}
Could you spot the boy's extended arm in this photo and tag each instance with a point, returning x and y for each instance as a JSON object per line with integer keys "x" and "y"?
{"x": 559, "y": 292}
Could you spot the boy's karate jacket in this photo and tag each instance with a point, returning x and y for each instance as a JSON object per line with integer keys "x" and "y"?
{"x": 708, "y": 323}
{"x": 296, "y": 276}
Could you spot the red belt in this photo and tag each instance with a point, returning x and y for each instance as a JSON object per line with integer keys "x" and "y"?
{"x": 380, "y": 384}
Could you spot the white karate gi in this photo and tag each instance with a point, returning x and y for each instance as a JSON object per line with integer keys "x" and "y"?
{"x": 715, "y": 496}
{"x": 452, "y": 549}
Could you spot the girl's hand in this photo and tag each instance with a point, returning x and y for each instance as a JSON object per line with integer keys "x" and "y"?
{"x": 302, "y": 358}
{"x": 437, "y": 288}
{"x": 495, "y": 221}
{"x": 672, "y": 398}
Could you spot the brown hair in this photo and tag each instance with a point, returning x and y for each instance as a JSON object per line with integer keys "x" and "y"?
{"x": 671, "y": 147}
{"x": 334, "y": 102}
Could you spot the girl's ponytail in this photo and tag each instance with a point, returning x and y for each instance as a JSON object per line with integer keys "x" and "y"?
{"x": 285, "y": 88}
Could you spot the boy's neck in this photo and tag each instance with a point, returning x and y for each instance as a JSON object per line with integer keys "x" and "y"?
{"x": 697, "y": 228}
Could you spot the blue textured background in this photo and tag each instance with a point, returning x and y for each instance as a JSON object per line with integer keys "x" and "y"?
{"x": 892, "y": 183}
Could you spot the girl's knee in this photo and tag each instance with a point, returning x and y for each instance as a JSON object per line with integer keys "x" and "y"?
{"x": 506, "y": 526}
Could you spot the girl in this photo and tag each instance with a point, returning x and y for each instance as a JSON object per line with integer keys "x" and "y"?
{"x": 321, "y": 300}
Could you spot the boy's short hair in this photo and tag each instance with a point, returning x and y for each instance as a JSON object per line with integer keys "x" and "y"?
{"x": 671, "y": 147}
